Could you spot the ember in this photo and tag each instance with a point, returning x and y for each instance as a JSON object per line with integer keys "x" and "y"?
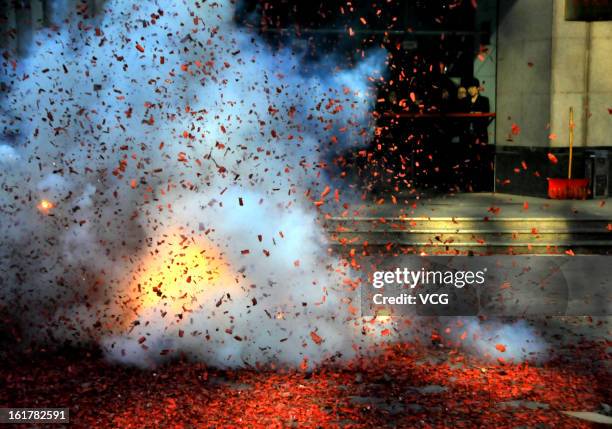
{"x": 45, "y": 206}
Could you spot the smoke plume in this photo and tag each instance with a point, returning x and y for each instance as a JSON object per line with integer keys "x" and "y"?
{"x": 164, "y": 178}
{"x": 162, "y": 170}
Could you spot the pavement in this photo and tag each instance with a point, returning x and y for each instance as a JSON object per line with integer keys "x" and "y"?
{"x": 488, "y": 204}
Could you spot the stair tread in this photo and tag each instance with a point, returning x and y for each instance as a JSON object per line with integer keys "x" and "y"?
{"x": 494, "y": 243}
{"x": 474, "y": 231}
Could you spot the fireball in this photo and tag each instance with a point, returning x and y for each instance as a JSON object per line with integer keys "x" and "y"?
{"x": 45, "y": 206}
{"x": 179, "y": 273}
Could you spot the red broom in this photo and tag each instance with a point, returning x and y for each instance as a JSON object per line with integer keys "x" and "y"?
{"x": 565, "y": 189}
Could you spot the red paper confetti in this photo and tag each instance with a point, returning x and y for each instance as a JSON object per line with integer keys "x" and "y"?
{"x": 316, "y": 338}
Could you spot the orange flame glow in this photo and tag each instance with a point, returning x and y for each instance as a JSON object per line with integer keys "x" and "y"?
{"x": 45, "y": 206}
{"x": 179, "y": 273}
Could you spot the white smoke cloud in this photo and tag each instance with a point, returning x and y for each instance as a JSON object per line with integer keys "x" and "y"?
{"x": 160, "y": 121}
{"x": 511, "y": 341}
{"x": 162, "y": 130}
{"x": 8, "y": 155}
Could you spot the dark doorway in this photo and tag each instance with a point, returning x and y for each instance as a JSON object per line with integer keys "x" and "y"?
{"x": 424, "y": 138}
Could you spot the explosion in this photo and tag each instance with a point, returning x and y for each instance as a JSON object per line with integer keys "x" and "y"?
{"x": 193, "y": 164}
{"x": 45, "y": 206}
{"x": 179, "y": 273}
{"x": 188, "y": 168}
{"x": 172, "y": 172}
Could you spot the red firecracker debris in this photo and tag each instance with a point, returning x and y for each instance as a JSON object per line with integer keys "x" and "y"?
{"x": 463, "y": 391}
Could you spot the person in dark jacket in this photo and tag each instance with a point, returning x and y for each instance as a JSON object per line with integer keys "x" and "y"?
{"x": 478, "y": 104}
{"x": 478, "y": 151}
{"x": 461, "y": 102}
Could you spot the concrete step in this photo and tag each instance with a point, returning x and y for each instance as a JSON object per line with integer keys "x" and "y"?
{"x": 477, "y": 237}
{"x": 465, "y": 224}
{"x": 492, "y": 235}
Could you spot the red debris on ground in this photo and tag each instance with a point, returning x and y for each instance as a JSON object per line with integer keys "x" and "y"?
{"x": 405, "y": 386}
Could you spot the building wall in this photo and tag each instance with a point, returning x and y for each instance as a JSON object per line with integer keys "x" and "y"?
{"x": 581, "y": 79}
{"x": 545, "y": 66}
{"x": 485, "y": 64}
{"x": 524, "y": 45}
{"x": 600, "y": 81}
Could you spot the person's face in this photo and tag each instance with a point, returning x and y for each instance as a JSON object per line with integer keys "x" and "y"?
{"x": 461, "y": 93}
{"x": 473, "y": 90}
